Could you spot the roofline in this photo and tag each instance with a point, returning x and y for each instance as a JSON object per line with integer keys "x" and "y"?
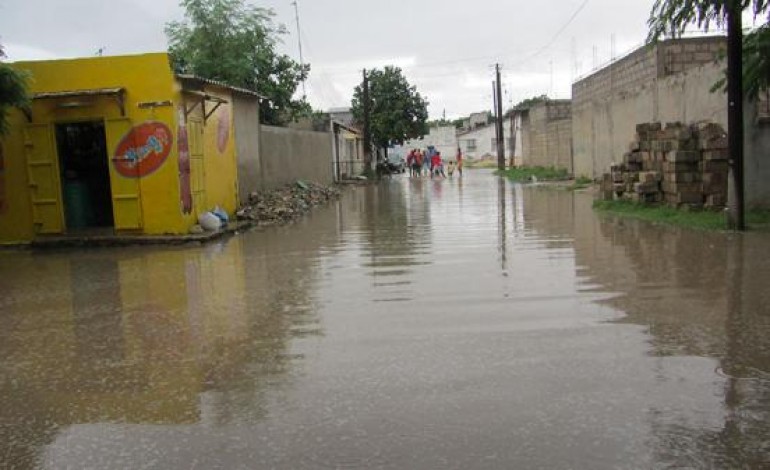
{"x": 207, "y": 81}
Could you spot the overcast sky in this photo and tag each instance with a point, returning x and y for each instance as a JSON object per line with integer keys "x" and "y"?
{"x": 446, "y": 47}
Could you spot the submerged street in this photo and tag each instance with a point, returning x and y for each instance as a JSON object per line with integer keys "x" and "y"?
{"x": 458, "y": 323}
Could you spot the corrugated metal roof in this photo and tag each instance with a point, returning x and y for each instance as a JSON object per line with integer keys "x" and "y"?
{"x": 207, "y": 81}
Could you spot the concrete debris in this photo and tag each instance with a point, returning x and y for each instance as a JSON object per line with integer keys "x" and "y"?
{"x": 676, "y": 165}
{"x": 285, "y": 204}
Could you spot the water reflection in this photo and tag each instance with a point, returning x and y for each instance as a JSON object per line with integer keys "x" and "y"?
{"x": 146, "y": 336}
{"x": 459, "y": 323}
{"x": 703, "y": 300}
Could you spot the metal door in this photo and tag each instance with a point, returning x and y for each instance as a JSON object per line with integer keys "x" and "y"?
{"x": 195, "y": 128}
{"x": 126, "y": 192}
{"x": 43, "y": 178}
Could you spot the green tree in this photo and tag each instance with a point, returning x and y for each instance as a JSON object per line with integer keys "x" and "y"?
{"x": 13, "y": 91}
{"x": 234, "y": 42}
{"x": 671, "y": 18}
{"x": 397, "y": 110}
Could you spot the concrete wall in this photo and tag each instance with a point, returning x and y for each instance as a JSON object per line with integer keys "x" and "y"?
{"x": 289, "y": 155}
{"x": 247, "y": 130}
{"x": 604, "y": 127}
{"x": 757, "y": 158}
{"x": 670, "y": 81}
{"x": 549, "y": 135}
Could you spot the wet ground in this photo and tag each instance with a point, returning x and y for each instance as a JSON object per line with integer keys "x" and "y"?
{"x": 416, "y": 324}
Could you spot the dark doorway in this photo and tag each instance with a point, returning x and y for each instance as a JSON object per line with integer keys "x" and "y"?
{"x": 85, "y": 174}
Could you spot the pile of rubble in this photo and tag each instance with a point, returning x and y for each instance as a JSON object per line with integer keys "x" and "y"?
{"x": 678, "y": 165}
{"x": 286, "y": 203}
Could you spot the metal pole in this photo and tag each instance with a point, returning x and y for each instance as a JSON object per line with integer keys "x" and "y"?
{"x": 299, "y": 41}
{"x": 735, "y": 110}
{"x": 500, "y": 131}
{"x": 367, "y": 129}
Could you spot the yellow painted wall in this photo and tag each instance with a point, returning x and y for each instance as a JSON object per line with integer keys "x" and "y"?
{"x": 221, "y": 163}
{"x": 147, "y": 78}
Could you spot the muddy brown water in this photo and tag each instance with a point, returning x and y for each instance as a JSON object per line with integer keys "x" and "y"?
{"x": 416, "y": 324}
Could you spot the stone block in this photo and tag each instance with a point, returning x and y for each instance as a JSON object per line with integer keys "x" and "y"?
{"x": 670, "y": 187}
{"x": 646, "y": 187}
{"x": 714, "y": 166}
{"x": 677, "y": 156}
{"x": 716, "y": 154}
{"x": 683, "y": 177}
{"x": 685, "y": 197}
{"x": 716, "y": 201}
{"x": 650, "y": 177}
{"x": 633, "y": 146}
{"x": 670, "y": 167}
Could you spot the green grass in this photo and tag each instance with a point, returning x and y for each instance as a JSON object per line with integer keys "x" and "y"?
{"x": 698, "y": 219}
{"x": 468, "y": 163}
{"x": 581, "y": 182}
{"x": 525, "y": 173}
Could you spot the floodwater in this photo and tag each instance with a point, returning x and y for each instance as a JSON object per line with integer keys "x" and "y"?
{"x": 416, "y": 324}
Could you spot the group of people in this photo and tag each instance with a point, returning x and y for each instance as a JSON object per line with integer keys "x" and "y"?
{"x": 429, "y": 162}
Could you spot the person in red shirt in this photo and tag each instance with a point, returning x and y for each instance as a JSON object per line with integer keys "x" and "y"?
{"x": 436, "y": 165}
{"x": 459, "y": 161}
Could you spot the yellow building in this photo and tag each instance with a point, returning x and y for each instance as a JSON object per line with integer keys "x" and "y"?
{"x": 117, "y": 145}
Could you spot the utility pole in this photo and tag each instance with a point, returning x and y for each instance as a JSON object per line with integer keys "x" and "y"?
{"x": 367, "y": 128}
{"x": 735, "y": 110}
{"x": 299, "y": 42}
{"x": 499, "y": 123}
{"x": 494, "y": 111}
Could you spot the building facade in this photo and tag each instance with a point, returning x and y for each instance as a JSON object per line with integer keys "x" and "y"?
{"x": 481, "y": 143}
{"x": 545, "y": 131}
{"x": 118, "y": 144}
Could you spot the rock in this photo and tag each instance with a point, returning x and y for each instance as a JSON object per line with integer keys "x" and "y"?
{"x": 285, "y": 204}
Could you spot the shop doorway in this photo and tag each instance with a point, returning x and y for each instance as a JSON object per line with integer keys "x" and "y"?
{"x": 85, "y": 175}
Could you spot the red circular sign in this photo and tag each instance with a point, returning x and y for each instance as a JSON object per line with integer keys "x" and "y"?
{"x": 143, "y": 149}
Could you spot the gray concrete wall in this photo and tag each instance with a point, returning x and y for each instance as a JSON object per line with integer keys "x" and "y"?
{"x": 604, "y": 127}
{"x": 548, "y": 135}
{"x": 757, "y": 158}
{"x": 289, "y": 155}
{"x": 247, "y": 129}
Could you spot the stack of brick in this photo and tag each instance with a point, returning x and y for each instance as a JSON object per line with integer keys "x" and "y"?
{"x": 677, "y": 165}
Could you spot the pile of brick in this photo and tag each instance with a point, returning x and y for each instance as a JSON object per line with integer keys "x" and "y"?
{"x": 678, "y": 165}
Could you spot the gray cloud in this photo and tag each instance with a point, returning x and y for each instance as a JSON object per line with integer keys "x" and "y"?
{"x": 445, "y": 47}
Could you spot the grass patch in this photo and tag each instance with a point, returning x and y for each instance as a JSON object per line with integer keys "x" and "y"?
{"x": 698, "y": 219}
{"x": 581, "y": 182}
{"x": 480, "y": 163}
{"x": 526, "y": 173}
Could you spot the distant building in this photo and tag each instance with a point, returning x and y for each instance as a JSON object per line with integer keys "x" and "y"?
{"x": 342, "y": 115}
{"x": 481, "y": 143}
{"x": 442, "y": 138}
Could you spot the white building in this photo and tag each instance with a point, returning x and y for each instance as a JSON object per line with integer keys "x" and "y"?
{"x": 443, "y": 138}
{"x": 481, "y": 143}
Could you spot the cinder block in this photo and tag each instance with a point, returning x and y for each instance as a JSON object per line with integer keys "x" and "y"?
{"x": 670, "y": 167}
{"x": 716, "y": 200}
{"x": 677, "y": 156}
{"x": 683, "y": 177}
{"x": 650, "y": 177}
{"x": 714, "y": 166}
{"x": 670, "y": 187}
{"x": 716, "y": 154}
